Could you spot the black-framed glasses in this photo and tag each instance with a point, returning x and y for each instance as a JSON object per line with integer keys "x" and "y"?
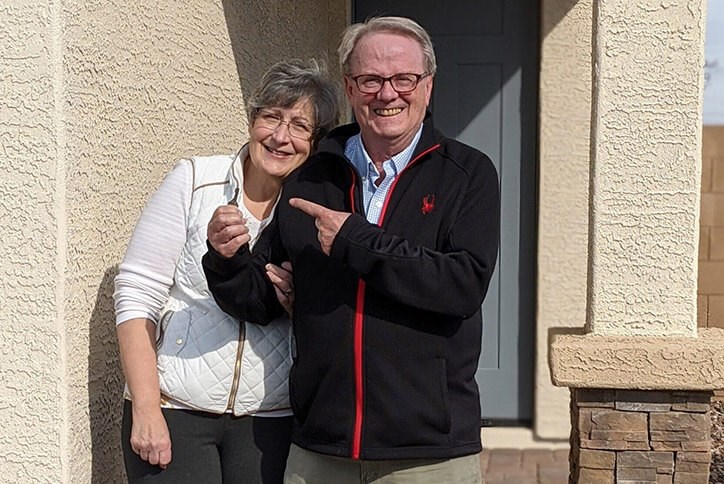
{"x": 402, "y": 83}
{"x": 271, "y": 120}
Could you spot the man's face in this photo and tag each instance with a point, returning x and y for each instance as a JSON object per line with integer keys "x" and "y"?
{"x": 388, "y": 119}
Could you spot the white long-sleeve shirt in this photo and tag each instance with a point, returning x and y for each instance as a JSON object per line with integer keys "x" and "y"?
{"x": 147, "y": 271}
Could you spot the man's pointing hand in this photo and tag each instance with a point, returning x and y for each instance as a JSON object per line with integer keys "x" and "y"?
{"x": 328, "y": 222}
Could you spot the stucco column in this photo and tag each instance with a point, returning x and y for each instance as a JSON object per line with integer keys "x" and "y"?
{"x": 641, "y": 329}
{"x": 644, "y": 206}
{"x": 646, "y": 148}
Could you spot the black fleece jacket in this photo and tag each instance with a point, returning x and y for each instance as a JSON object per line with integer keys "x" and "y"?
{"x": 388, "y": 327}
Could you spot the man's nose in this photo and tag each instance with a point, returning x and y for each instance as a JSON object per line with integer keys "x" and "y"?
{"x": 387, "y": 92}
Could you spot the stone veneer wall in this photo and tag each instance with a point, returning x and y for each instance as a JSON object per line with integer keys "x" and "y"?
{"x": 716, "y": 470}
{"x": 629, "y": 436}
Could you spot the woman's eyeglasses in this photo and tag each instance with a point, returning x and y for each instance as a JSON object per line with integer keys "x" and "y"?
{"x": 271, "y": 120}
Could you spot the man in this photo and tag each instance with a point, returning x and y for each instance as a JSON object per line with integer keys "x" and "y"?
{"x": 392, "y": 233}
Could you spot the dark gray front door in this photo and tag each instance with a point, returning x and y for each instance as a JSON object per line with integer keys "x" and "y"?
{"x": 485, "y": 96}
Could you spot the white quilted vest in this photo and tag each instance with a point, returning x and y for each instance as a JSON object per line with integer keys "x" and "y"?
{"x": 208, "y": 360}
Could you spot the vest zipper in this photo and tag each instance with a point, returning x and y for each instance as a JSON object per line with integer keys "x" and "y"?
{"x": 237, "y": 368}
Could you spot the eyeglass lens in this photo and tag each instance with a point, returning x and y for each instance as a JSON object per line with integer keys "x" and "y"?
{"x": 272, "y": 120}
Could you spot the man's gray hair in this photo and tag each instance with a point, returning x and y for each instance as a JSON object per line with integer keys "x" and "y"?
{"x": 288, "y": 82}
{"x": 397, "y": 25}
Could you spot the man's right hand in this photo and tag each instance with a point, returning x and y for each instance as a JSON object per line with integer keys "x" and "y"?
{"x": 227, "y": 230}
{"x": 150, "y": 438}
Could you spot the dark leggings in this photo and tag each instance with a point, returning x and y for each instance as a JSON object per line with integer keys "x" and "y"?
{"x": 214, "y": 449}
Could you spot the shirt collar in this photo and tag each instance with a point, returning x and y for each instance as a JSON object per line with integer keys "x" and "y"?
{"x": 357, "y": 154}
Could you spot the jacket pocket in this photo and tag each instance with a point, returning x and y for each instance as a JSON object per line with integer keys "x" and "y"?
{"x": 411, "y": 408}
{"x": 432, "y": 401}
{"x": 173, "y": 336}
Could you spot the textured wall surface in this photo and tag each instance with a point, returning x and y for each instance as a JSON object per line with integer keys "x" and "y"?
{"x": 638, "y": 363}
{"x": 31, "y": 265}
{"x": 101, "y": 98}
{"x": 646, "y": 167}
{"x": 565, "y": 97}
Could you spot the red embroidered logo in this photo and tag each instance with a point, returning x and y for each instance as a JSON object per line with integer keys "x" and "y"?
{"x": 428, "y": 203}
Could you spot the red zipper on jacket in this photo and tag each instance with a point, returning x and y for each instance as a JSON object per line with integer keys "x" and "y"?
{"x": 358, "y": 404}
{"x": 359, "y": 320}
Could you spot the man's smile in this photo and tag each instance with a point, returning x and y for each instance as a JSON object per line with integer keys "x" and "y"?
{"x": 388, "y": 111}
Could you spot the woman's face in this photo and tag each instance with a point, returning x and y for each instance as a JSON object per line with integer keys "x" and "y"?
{"x": 280, "y": 138}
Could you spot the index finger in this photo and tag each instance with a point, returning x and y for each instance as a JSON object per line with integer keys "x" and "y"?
{"x": 310, "y": 208}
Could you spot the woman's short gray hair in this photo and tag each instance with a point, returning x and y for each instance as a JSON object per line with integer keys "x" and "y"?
{"x": 288, "y": 82}
{"x": 398, "y": 25}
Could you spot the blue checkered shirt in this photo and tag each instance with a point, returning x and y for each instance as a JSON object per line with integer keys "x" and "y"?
{"x": 374, "y": 196}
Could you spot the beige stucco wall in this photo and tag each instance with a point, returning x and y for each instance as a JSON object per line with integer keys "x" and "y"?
{"x": 31, "y": 259}
{"x": 99, "y": 100}
{"x": 646, "y": 168}
{"x": 565, "y": 119}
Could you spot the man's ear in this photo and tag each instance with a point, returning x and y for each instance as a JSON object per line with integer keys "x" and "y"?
{"x": 349, "y": 86}
{"x": 428, "y": 90}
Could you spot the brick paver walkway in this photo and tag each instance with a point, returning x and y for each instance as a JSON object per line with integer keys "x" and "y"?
{"x": 529, "y": 466}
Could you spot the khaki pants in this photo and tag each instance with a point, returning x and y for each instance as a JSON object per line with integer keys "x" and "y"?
{"x": 305, "y": 467}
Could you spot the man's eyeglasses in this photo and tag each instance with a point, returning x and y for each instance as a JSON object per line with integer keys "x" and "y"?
{"x": 402, "y": 83}
{"x": 271, "y": 120}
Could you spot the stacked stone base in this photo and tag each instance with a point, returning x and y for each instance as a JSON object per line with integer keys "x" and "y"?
{"x": 626, "y": 437}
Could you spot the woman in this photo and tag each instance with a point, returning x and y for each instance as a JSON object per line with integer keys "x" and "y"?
{"x": 206, "y": 395}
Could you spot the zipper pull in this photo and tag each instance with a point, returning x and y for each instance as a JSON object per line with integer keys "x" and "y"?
{"x": 233, "y": 199}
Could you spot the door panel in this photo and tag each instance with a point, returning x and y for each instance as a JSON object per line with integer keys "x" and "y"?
{"x": 485, "y": 96}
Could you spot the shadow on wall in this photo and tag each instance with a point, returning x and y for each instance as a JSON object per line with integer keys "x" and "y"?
{"x": 105, "y": 388}
{"x": 263, "y": 33}
{"x": 251, "y": 60}
{"x": 557, "y": 10}
{"x": 258, "y": 40}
